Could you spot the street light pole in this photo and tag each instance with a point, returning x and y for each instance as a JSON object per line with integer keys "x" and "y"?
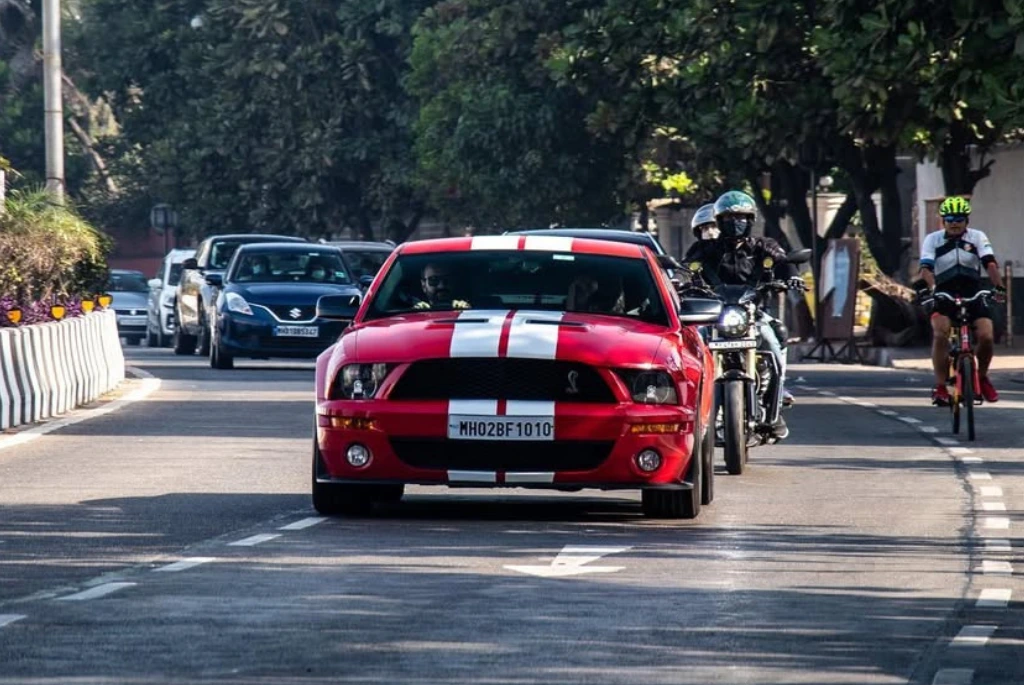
{"x": 53, "y": 100}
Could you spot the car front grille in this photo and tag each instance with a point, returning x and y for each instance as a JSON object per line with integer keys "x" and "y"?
{"x": 493, "y": 455}
{"x": 292, "y": 312}
{"x": 503, "y": 378}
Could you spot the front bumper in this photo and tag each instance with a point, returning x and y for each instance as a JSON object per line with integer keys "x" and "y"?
{"x": 594, "y": 446}
{"x": 253, "y": 336}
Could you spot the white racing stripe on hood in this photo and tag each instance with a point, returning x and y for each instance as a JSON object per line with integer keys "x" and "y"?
{"x": 476, "y": 338}
{"x": 534, "y": 340}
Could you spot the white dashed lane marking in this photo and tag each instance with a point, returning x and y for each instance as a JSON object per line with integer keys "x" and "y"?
{"x": 909, "y": 419}
{"x": 997, "y": 523}
{"x": 253, "y": 540}
{"x": 993, "y": 506}
{"x": 888, "y": 412}
{"x": 95, "y": 592}
{"x": 954, "y": 676}
{"x": 8, "y": 619}
{"x": 947, "y": 441}
{"x": 994, "y": 598}
{"x": 185, "y": 564}
{"x": 304, "y": 523}
{"x": 997, "y": 545}
{"x": 979, "y": 475}
{"x": 991, "y": 491}
{"x": 996, "y": 568}
{"x": 928, "y": 429}
{"x": 973, "y": 636}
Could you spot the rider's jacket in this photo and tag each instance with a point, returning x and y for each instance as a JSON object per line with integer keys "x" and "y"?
{"x": 957, "y": 262}
{"x": 737, "y": 263}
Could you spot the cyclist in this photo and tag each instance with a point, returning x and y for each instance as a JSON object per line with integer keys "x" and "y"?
{"x": 951, "y": 262}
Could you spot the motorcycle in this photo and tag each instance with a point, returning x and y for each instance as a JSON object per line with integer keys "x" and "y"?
{"x": 747, "y": 374}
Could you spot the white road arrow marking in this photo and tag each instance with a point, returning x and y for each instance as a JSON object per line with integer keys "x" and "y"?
{"x": 572, "y": 560}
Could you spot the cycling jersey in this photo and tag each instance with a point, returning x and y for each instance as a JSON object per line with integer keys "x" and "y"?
{"x": 957, "y": 262}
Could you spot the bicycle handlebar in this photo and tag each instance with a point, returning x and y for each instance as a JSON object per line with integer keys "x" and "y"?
{"x": 964, "y": 300}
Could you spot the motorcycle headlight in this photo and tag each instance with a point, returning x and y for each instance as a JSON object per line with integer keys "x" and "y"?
{"x": 650, "y": 386}
{"x": 237, "y": 303}
{"x": 359, "y": 381}
{"x": 733, "y": 322}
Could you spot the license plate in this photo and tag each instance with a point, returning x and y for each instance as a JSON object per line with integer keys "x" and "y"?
{"x": 501, "y": 428}
{"x": 297, "y": 331}
{"x": 732, "y": 344}
{"x": 132, "y": 320}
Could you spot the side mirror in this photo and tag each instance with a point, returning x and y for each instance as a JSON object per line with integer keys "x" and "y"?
{"x": 216, "y": 280}
{"x": 667, "y": 261}
{"x": 338, "y": 307}
{"x": 189, "y": 263}
{"x": 699, "y": 310}
{"x": 155, "y": 283}
{"x": 799, "y": 256}
{"x": 365, "y": 281}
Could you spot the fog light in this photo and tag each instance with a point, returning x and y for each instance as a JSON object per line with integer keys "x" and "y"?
{"x": 357, "y": 455}
{"x": 648, "y": 461}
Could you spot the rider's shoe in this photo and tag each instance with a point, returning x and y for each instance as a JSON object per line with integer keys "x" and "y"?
{"x": 780, "y": 431}
{"x": 940, "y": 396}
{"x": 988, "y": 391}
{"x": 787, "y": 398}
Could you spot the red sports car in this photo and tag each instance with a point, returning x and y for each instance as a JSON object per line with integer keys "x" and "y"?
{"x": 516, "y": 361}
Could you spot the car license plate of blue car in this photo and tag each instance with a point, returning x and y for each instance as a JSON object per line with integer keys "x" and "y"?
{"x": 297, "y": 331}
{"x": 501, "y": 428}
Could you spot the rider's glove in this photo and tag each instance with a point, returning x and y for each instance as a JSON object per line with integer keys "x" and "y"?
{"x": 421, "y": 305}
{"x": 796, "y": 283}
{"x": 924, "y": 294}
{"x": 1000, "y": 296}
{"x": 460, "y": 304}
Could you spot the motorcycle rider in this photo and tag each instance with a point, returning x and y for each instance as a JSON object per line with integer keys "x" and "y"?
{"x": 704, "y": 228}
{"x": 735, "y": 258}
{"x": 951, "y": 262}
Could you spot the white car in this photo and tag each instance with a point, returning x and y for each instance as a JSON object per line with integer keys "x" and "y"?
{"x": 162, "y": 291}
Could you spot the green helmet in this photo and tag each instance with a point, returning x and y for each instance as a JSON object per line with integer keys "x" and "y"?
{"x": 736, "y": 202}
{"x": 955, "y": 205}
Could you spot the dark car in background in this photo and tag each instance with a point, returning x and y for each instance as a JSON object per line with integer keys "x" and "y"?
{"x": 195, "y": 296}
{"x": 129, "y": 293}
{"x": 267, "y": 301}
{"x": 363, "y": 258}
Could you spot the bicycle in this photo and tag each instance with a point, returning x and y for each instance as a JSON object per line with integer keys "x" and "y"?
{"x": 963, "y": 364}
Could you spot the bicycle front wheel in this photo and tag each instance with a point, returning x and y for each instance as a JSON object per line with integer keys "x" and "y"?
{"x": 966, "y": 376}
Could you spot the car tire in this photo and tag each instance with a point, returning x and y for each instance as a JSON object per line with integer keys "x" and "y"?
{"x": 133, "y": 341}
{"x": 184, "y": 344}
{"x": 335, "y": 499}
{"x": 676, "y": 504}
{"x": 151, "y": 338}
{"x": 203, "y": 340}
{"x": 218, "y": 358}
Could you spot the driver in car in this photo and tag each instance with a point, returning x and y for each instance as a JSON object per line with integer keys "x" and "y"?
{"x": 436, "y": 282}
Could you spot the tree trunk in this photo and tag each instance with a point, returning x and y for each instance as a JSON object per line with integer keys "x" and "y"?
{"x": 770, "y": 212}
{"x": 841, "y": 221}
{"x": 364, "y": 225}
{"x": 958, "y": 176}
{"x": 794, "y": 183}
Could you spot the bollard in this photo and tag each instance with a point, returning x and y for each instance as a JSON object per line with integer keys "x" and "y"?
{"x": 1008, "y": 282}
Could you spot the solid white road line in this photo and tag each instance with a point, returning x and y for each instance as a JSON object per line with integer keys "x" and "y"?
{"x": 8, "y": 619}
{"x": 996, "y": 568}
{"x": 993, "y": 506}
{"x": 991, "y": 491}
{"x": 997, "y": 545}
{"x": 253, "y": 540}
{"x": 185, "y": 564}
{"x": 95, "y": 592}
{"x": 954, "y": 676}
{"x": 304, "y": 523}
{"x": 994, "y": 598}
{"x": 973, "y": 636}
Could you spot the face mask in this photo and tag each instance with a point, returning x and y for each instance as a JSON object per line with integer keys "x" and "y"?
{"x": 710, "y": 233}
{"x": 735, "y": 227}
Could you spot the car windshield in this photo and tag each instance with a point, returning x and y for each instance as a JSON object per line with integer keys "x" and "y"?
{"x": 292, "y": 266}
{"x": 127, "y": 283}
{"x": 174, "y": 277}
{"x": 365, "y": 262}
{"x": 483, "y": 279}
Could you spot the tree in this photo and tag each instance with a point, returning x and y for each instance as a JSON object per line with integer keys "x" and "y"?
{"x": 284, "y": 116}
{"x": 500, "y": 142}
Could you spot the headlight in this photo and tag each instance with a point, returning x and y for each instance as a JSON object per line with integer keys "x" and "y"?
{"x": 359, "y": 381}
{"x": 237, "y": 303}
{"x": 650, "y": 387}
{"x": 733, "y": 322}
